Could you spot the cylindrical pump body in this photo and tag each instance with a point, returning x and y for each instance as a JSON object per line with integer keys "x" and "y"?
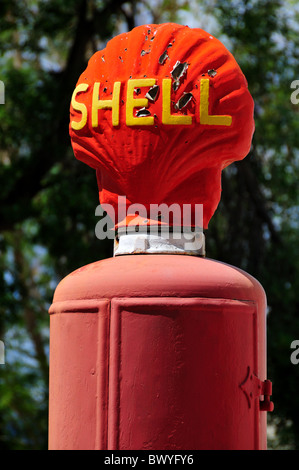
{"x": 158, "y": 351}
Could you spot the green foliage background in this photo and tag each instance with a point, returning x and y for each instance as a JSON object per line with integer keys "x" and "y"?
{"x": 48, "y": 198}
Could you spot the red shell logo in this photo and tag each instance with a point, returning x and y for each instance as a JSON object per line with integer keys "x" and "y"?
{"x": 159, "y": 113}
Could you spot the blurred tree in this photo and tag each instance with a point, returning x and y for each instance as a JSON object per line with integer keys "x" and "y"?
{"x": 48, "y": 199}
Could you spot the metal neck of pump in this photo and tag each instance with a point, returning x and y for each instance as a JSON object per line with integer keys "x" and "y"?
{"x": 163, "y": 240}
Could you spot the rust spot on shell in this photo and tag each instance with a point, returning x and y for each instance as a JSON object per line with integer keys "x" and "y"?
{"x": 153, "y": 93}
{"x": 143, "y": 112}
{"x": 179, "y": 70}
{"x": 212, "y": 73}
{"x": 176, "y": 85}
{"x": 163, "y": 57}
{"x": 184, "y": 100}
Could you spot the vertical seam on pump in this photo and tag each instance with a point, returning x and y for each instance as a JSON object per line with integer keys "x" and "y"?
{"x": 118, "y": 378}
{"x": 256, "y": 372}
{"x": 97, "y": 441}
{"x": 114, "y": 378}
{"x": 102, "y": 381}
{"x": 108, "y": 377}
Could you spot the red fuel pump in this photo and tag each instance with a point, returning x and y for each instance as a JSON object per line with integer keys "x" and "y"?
{"x": 159, "y": 347}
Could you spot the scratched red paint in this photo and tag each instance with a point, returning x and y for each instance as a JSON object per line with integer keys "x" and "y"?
{"x": 174, "y": 151}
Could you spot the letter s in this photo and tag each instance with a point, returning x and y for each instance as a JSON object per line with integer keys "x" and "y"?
{"x": 80, "y": 107}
